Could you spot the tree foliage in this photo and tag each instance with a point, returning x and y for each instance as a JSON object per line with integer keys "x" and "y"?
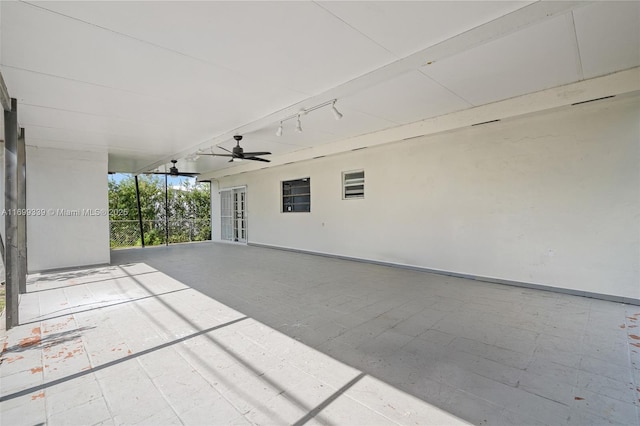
{"x": 188, "y": 211}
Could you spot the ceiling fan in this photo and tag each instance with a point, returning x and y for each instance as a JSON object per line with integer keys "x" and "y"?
{"x": 238, "y": 153}
{"x": 173, "y": 171}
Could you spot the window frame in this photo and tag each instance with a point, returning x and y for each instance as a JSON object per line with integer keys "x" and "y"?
{"x": 283, "y": 205}
{"x": 345, "y": 185}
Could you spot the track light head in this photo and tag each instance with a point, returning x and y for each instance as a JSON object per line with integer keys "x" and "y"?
{"x": 279, "y": 131}
{"x": 299, "y": 125}
{"x": 336, "y": 113}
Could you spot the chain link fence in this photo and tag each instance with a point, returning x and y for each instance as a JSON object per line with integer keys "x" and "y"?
{"x": 126, "y": 233}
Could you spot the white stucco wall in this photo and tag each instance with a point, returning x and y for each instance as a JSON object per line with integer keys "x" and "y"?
{"x": 69, "y": 180}
{"x": 551, "y": 199}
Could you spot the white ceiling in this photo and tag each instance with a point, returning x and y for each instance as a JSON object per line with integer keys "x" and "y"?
{"x": 151, "y": 81}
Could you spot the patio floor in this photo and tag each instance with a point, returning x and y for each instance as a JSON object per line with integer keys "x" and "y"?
{"x": 215, "y": 333}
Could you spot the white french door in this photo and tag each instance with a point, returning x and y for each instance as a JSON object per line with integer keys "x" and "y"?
{"x": 233, "y": 214}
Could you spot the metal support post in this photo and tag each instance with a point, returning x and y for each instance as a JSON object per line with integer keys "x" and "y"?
{"x": 139, "y": 212}
{"x": 166, "y": 210}
{"x": 11, "y": 263}
{"x": 22, "y": 218}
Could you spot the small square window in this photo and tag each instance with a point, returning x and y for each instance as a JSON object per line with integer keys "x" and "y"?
{"x": 353, "y": 184}
{"x": 296, "y": 195}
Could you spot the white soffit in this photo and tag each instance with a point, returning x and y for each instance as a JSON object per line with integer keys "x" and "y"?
{"x": 406, "y": 98}
{"x": 62, "y": 94}
{"x": 67, "y": 48}
{"x": 536, "y": 58}
{"x": 278, "y": 44}
{"x": 404, "y": 27}
{"x": 608, "y": 37}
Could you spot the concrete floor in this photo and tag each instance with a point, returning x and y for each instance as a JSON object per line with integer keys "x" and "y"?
{"x": 289, "y": 338}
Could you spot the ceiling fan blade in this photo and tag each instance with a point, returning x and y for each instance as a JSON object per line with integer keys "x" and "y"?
{"x": 253, "y": 154}
{"x": 257, "y": 159}
{"x": 216, "y": 155}
{"x": 224, "y": 149}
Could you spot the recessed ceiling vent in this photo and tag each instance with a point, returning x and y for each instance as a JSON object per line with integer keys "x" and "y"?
{"x": 485, "y": 122}
{"x": 593, "y": 100}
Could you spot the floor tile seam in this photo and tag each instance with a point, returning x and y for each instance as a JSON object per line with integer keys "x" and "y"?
{"x": 602, "y": 395}
{"x": 291, "y": 398}
{"x": 346, "y": 330}
{"x": 604, "y": 358}
{"x": 96, "y": 377}
{"x": 595, "y": 411}
{"x": 533, "y": 392}
{"x": 42, "y": 365}
{"x": 239, "y": 363}
{"x": 500, "y": 407}
{"x": 150, "y": 321}
{"x": 573, "y": 382}
{"x": 506, "y": 408}
{"x": 371, "y": 304}
{"x": 539, "y": 345}
{"x": 77, "y": 284}
{"x": 522, "y": 369}
{"x": 510, "y": 386}
{"x": 607, "y": 395}
{"x": 526, "y": 354}
{"x": 493, "y": 379}
{"x": 97, "y": 397}
{"x": 162, "y": 394}
{"x": 261, "y": 345}
{"x": 594, "y": 414}
{"x": 395, "y": 350}
{"x": 365, "y": 405}
{"x": 197, "y": 368}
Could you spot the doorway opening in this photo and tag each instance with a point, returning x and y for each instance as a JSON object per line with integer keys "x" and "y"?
{"x": 233, "y": 214}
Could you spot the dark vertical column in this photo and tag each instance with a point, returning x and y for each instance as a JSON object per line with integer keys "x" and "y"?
{"x": 211, "y": 208}
{"x": 11, "y": 207}
{"x": 139, "y": 212}
{"x": 22, "y": 218}
{"x": 166, "y": 210}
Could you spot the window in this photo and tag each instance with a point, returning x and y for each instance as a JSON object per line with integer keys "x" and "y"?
{"x": 296, "y": 195}
{"x": 353, "y": 185}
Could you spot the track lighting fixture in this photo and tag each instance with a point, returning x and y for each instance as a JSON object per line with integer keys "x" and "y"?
{"x": 305, "y": 111}
{"x": 299, "y": 125}
{"x": 336, "y": 113}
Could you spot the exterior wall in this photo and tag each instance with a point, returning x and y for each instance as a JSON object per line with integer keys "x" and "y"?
{"x": 69, "y": 180}
{"x": 215, "y": 211}
{"x": 551, "y": 199}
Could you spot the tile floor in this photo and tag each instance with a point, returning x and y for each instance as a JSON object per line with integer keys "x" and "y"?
{"x": 225, "y": 334}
